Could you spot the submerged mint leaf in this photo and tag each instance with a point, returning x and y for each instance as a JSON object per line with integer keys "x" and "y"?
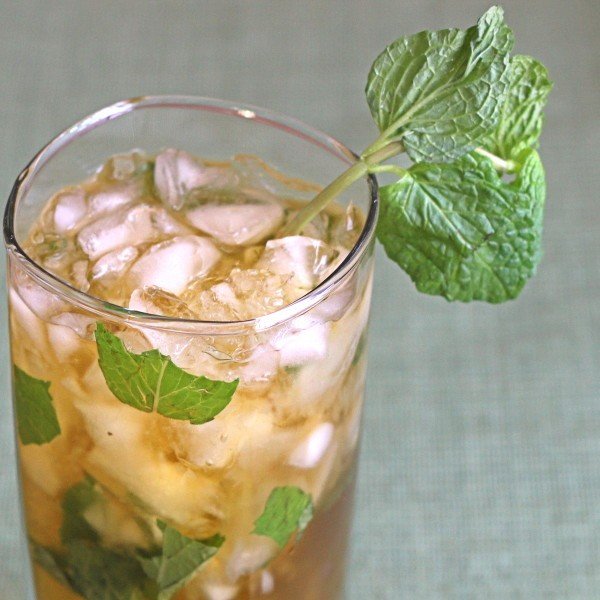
{"x": 179, "y": 560}
{"x": 37, "y": 422}
{"x": 461, "y": 232}
{"x": 151, "y": 381}
{"x": 521, "y": 117}
{"x": 76, "y": 501}
{"x": 440, "y": 92}
{"x": 51, "y": 561}
{"x": 101, "y": 574}
{"x": 288, "y": 509}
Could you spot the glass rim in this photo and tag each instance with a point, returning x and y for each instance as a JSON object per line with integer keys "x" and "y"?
{"x": 240, "y": 110}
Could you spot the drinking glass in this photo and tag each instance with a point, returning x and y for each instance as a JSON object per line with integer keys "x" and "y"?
{"x": 100, "y": 485}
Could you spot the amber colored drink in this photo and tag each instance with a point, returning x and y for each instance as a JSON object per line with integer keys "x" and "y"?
{"x": 186, "y": 240}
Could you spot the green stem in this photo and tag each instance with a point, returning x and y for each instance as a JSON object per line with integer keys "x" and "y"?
{"x": 388, "y": 169}
{"x": 503, "y": 165}
{"x": 358, "y": 170}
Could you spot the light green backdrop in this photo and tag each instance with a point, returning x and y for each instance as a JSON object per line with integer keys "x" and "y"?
{"x": 480, "y": 471}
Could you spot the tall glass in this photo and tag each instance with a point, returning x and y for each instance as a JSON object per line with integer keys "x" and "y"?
{"x": 100, "y": 486}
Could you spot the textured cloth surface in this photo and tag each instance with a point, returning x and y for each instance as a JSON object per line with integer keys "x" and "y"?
{"x": 480, "y": 469}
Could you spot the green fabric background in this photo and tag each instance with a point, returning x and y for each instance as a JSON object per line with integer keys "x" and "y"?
{"x": 480, "y": 473}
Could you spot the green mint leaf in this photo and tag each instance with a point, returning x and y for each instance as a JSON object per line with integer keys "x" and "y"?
{"x": 178, "y": 561}
{"x": 151, "y": 381}
{"x": 521, "y": 117}
{"x": 288, "y": 509}
{"x": 51, "y": 561}
{"x": 441, "y": 92}
{"x": 100, "y": 574}
{"x": 461, "y": 232}
{"x": 76, "y": 501}
{"x": 37, "y": 422}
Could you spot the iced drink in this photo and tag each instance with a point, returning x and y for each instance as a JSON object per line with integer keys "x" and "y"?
{"x": 132, "y": 490}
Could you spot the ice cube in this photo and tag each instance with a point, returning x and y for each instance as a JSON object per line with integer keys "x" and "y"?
{"x": 218, "y": 303}
{"x": 267, "y": 582}
{"x": 218, "y": 443}
{"x": 188, "y": 352}
{"x": 27, "y": 322}
{"x": 249, "y": 554}
{"x": 127, "y": 449}
{"x": 317, "y": 379}
{"x": 79, "y": 275}
{"x": 40, "y": 301}
{"x": 114, "y": 263}
{"x": 237, "y": 224}
{"x": 327, "y": 473}
{"x": 113, "y": 198}
{"x": 312, "y": 449}
{"x": 116, "y": 523}
{"x": 304, "y": 259}
{"x": 303, "y": 346}
{"x": 82, "y": 325}
{"x": 127, "y": 227}
{"x": 173, "y": 264}
{"x": 219, "y": 591}
{"x": 176, "y": 173}
{"x": 70, "y": 209}
{"x": 156, "y": 301}
{"x": 123, "y": 166}
{"x": 65, "y": 333}
{"x": 262, "y": 365}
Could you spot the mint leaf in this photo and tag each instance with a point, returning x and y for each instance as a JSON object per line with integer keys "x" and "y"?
{"x": 151, "y": 381}
{"x": 521, "y": 117}
{"x": 100, "y": 574}
{"x": 51, "y": 561}
{"x": 37, "y": 422}
{"x": 288, "y": 509}
{"x": 440, "y": 92}
{"x": 178, "y": 561}
{"x": 76, "y": 501}
{"x": 461, "y": 232}
{"x": 94, "y": 572}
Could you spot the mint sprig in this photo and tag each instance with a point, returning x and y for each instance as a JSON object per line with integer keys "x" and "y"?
{"x": 521, "y": 115}
{"x": 37, "y": 422}
{"x": 288, "y": 509}
{"x": 440, "y": 91}
{"x": 151, "y": 382}
{"x": 466, "y": 113}
{"x": 461, "y": 232}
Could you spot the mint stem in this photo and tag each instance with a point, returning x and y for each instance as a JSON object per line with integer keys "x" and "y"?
{"x": 508, "y": 166}
{"x": 358, "y": 170}
{"x": 369, "y": 162}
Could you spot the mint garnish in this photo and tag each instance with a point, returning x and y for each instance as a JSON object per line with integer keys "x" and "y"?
{"x": 466, "y": 113}
{"x": 440, "y": 91}
{"x": 178, "y": 560}
{"x": 288, "y": 509}
{"x": 521, "y": 117}
{"x": 151, "y": 382}
{"x": 37, "y": 422}
{"x": 461, "y": 232}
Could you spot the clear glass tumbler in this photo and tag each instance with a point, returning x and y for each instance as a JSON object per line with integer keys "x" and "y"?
{"x": 104, "y": 485}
